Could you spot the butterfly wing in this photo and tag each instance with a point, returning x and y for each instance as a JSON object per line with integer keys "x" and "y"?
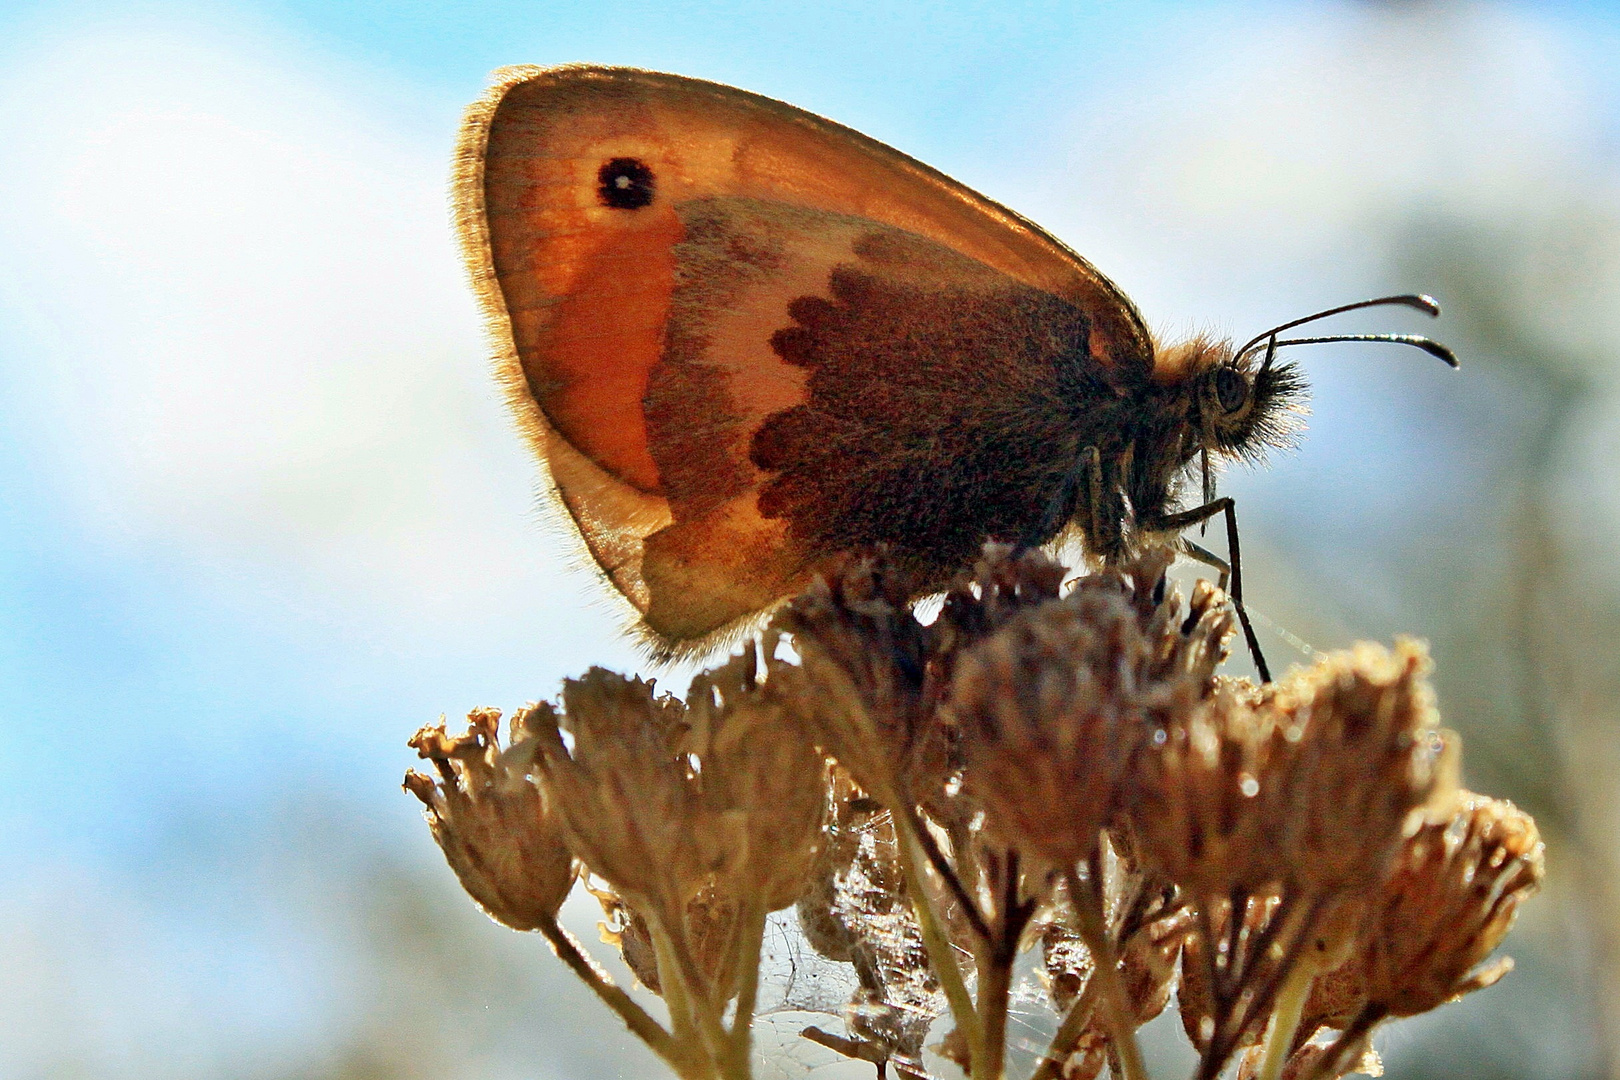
{"x": 725, "y": 323}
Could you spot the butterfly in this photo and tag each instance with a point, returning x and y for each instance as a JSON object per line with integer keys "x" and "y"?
{"x": 747, "y": 340}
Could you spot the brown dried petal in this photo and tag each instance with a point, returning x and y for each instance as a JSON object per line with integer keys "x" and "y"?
{"x": 491, "y": 823}
{"x": 759, "y": 763}
{"x": 1452, "y": 898}
{"x": 627, "y": 796}
{"x": 1052, "y": 707}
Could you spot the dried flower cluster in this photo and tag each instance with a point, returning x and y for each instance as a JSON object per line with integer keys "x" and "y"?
{"x": 1038, "y": 766}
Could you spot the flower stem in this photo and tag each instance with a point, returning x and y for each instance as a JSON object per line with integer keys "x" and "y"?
{"x": 698, "y": 995}
{"x": 1117, "y": 1009}
{"x": 637, "y": 1019}
{"x": 940, "y": 951}
{"x": 752, "y": 926}
{"x": 1296, "y": 989}
{"x": 995, "y": 983}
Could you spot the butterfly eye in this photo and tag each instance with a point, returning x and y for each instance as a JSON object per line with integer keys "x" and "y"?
{"x": 624, "y": 184}
{"x": 1231, "y": 389}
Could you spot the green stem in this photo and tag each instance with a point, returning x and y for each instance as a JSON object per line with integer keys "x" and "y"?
{"x": 637, "y": 1019}
{"x": 752, "y": 926}
{"x": 699, "y": 996}
{"x": 995, "y": 983}
{"x": 1117, "y": 1009}
{"x": 996, "y": 965}
{"x": 1296, "y": 990}
{"x": 940, "y": 951}
{"x": 673, "y": 986}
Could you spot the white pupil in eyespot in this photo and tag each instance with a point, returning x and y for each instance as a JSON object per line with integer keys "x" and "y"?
{"x": 621, "y": 182}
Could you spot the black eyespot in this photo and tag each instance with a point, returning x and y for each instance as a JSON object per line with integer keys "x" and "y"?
{"x": 1231, "y": 389}
{"x": 624, "y": 184}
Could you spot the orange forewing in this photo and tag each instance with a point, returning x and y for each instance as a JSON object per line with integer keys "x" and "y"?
{"x": 636, "y": 347}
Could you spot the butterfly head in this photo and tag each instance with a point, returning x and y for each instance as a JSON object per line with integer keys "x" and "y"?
{"x": 1248, "y": 404}
{"x": 1237, "y": 405}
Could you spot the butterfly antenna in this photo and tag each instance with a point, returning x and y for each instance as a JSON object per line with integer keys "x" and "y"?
{"x": 1426, "y": 304}
{"x": 1428, "y": 345}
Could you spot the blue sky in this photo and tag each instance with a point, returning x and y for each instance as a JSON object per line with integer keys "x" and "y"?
{"x": 264, "y": 512}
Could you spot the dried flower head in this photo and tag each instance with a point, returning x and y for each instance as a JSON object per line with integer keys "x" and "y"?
{"x": 1028, "y": 765}
{"x": 860, "y": 683}
{"x": 1370, "y": 765}
{"x": 1454, "y": 893}
{"x": 1193, "y": 805}
{"x": 760, "y": 768}
{"x": 1052, "y": 706}
{"x": 1004, "y": 582}
{"x": 1312, "y": 784}
{"x": 872, "y": 674}
{"x": 496, "y": 831}
{"x": 627, "y": 796}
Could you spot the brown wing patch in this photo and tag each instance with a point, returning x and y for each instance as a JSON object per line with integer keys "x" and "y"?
{"x": 943, "y": 406}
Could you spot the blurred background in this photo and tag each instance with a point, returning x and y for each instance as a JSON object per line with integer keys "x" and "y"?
{"x": 264, "y": 514}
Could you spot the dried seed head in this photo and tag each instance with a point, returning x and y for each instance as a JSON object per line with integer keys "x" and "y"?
{"x": 761, "y": 769}
{"x": 859, "y": 686}
{"x": 873, "y": 675}
{"x": 1370, "y": 764}
{"x": 1048, "y": 720}
{"x": 489, "y": 819}
{"x": 1454, "y": 893}
{"x": 628, "y": 796}
{"x": 1053, "y": 705}
{"x": 1311, "y": 783}
{"x": 1193, "y": 801}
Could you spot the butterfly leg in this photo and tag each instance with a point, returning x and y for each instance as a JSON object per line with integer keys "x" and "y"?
{"x": 1091, "y": 460}
{"x": 1086, "y": 474}
{"x": 1187, "y": 519}
{"x": 1199, "y": 553}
